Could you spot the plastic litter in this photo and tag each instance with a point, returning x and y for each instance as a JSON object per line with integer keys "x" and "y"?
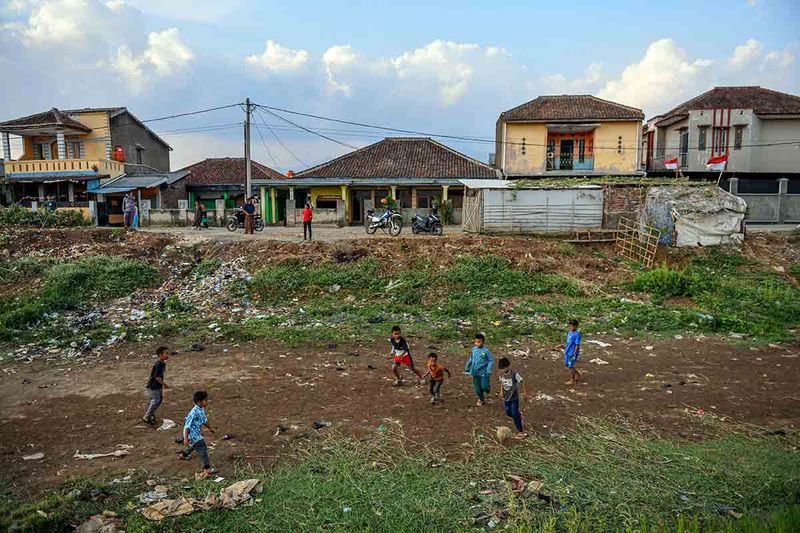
{"x": 34, "y": 457}
{"x": 599, "y": 343}
{"x": 166, "y": 424}
{"x": 598, "y": 361}
{"x": 122, "y": 450}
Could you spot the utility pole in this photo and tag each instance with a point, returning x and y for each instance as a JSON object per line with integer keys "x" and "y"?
{"x": 248, "y": 190}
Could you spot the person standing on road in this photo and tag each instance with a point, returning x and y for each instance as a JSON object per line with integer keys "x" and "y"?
{"x": 156, "y": 385}
{"x": 308, "y": 216}
{"x": 249, "y": 216}
{"x": 128, "y": 209}
{"x": 199, "y": 215}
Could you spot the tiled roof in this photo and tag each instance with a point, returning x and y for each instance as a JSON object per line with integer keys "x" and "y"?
{"x": 54, "y": 118}
{"x": 571, "y": 108}
{"x": 402, "y": 157}
{"x": 761, "y": 101}
{"x": 227, "y": 171}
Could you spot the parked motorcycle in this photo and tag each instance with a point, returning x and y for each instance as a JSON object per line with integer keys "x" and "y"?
{"x": 236, "y": 221}
{"x": 390, "y": 222}
{"x": 431, "y": 224}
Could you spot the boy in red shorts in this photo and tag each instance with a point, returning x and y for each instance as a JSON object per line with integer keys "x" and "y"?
{"x": 401, "y": 355}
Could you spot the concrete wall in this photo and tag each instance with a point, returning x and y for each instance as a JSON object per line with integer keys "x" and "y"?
{"x": 534, "y": 160}
{"x": 607, "y": 137}
{"x": 127, "y": 132}
{"x": 779, "y": 158}
{"x": 294, "y": 215}
{"x": 780, "y": 208}
{"x": 621, "y": 202}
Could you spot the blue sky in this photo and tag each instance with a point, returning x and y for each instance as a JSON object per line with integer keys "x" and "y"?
{"x": 451, "y": 67}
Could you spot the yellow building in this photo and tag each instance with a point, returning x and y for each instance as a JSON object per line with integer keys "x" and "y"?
{"x": 66, "y": 155}
{"x": 569, "y": 135}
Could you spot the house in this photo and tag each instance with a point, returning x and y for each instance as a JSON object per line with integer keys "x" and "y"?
{"x": 67, "y": 153}
{"x": 751, "y": 125}
{"x": 415, "y": 171}
{"x": 222, "y": 178}
{"x": 568, "y": 135}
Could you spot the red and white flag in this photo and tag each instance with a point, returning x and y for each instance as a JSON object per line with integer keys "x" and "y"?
{"x": 671, "y": 164}
{"x": 717, "y": 163}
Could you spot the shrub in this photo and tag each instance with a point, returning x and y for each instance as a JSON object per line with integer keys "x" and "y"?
{"x": 23, "y": 268}
{"x": 567, "y": 248}
{"x": 288, "y": 279}
{"x": 496, "y": 275}
{"x": 662, "y": 282}
{"x": 16, "y": 215}
{"x": 206, "y": 267}
{"x": 794, "y": 270}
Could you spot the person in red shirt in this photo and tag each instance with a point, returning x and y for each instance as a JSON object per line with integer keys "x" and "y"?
{"x": 308, "y": 215}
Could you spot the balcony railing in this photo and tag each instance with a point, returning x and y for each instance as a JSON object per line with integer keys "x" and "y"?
{"x": 565, "y": 162}
{"x": 101, "y": 167}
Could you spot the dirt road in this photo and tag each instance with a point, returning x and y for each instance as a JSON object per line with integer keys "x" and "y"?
{"x": 93, "y": 406}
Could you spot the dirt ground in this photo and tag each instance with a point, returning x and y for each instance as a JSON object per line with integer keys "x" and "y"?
{"x": 93, "y": 406}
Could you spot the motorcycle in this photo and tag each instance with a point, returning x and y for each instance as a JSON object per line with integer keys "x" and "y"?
{"x": 236, "y": 221}
{"x": 431, "y": 224}
{"x": 390, "y": 222}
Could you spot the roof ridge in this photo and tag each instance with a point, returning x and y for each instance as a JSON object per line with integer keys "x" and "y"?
{"x": 465, "y": 156}
{"x": 299, "y": 174}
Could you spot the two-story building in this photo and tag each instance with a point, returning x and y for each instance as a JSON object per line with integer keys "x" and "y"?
{"x": 67, "y": 154}
{"x": 756, "y": 128}
{"x": 568, "y": 135}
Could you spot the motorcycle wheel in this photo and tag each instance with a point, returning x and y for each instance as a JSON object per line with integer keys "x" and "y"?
{"x": 232, "y": 224}
{"x": 395, "y": 226}
{"x": 258, "y": 225}
{"x": 370, "y": 229}
{"x": 437, "y": 229}
{"x": 414, "y": 229}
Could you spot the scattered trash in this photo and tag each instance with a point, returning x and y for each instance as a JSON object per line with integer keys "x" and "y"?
{"x": 105, "y": 523}
{"x": 219, "y": 479}
{"x": 648, "y": 348}
{"x": 503, "y": 434}
{"x": 599, "y": 343}
{"x": 598, "y": 361}
{"x": 228, "y": 436}
{"x": 33, "y": 457}
{"x": 320, "y": 424}
{"x": 159, "y": 511}
{"x": 382, "y": 428}
{"x": 152, "y": 496}
{"x": 517, "y": 483}
{"x": 196, "y": 347}
{"x": 122, "y": 450}
{"x": 727, "y": 510}
{"x": 166, "y": 424}
{"x": 700, "y": 412}
{"x": 778, "y": 432}
{"x": 486, "y": 492}
{"x": 346, "y": 509}
{"x": 649, "y": 375}
{"x": 543, "y": 396}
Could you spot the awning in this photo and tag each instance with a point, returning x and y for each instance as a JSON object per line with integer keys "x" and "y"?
{"x": 571, "y": 128}
{"x": 49, "y": 177}
{"x": 357, "y": 182}
{"x": 131, "y": 182}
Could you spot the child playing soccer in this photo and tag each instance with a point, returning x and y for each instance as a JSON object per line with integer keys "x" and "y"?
{"x": 572, "y": 351}
{"x": 156, "y": 385}
{"x": 192, "y": 433}
{"x": 436, "y": 373}
{"x": 401, "y": 355}
{"x": 480, "y": 366}
{"x": 511, "y": 394}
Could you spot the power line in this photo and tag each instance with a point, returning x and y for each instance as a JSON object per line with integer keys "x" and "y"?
{"x": 263, "y": 120}
{"x": 197, "y": 128}
{"x": 309, "y": 130}
{"x": 274, "y": 162}
{"x": 192, "y": 112}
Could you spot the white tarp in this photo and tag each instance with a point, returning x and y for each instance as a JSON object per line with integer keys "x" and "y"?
{"x": 695, "y": 216}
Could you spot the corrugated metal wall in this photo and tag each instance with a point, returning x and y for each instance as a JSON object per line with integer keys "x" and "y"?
{"x": 541, "y": 210}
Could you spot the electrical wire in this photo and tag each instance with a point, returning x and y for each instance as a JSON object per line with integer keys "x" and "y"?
{"x": 269, "y": 152}
{"x": 192, "y": 112}
{"x": 310, "y": 130}
{"x": 263, "y": 120}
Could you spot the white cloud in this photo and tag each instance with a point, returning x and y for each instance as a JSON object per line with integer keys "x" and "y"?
{"x": 447, "y": 64}
{"x": 335, "y": 59}
{"x": 115, "y": 5}
{"x": 588, "y": 83}
{"x": 166, "y": 51}
{"x": 779, "y": 58}
{"x": 662, "y": 78}
{"x": 17, "y": 5}
{"x": 165, "y": 54}
{"x": 278, "y": 59}
{"x": 753, "y": 3}
{"x": 745, "y": 53}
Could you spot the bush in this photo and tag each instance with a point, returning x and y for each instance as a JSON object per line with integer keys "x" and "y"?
{"x": 496, "y": 275}
{"x": 23, "y": 268}
{"x": 567, "y": 248}
{"x": 794, "y": 270}
{"x": 288, "y": 279}
{"x": 662, "y": 282}
{"x": 16, "y": 215}
{"x": 206, "y": 267}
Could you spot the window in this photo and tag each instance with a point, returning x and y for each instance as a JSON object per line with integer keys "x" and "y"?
{"x": 581, "y": 150}
{"x": 326, "y": 203}
{"x": 684, "y": 139}
{"x": 403, "y": 198}
{"x": 75, "y": 150}
{"x": 701, "y": 138}
{"x": 139, "y": 153}
{"x": 720, "y": 140}
{"x": 737, "y": 137}
{"x": 425, "y": 199}
{"x": 41, "y": 151}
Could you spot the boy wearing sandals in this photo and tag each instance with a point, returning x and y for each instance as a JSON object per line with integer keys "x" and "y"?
{"x": 572, "y": 350}
{"x": 192, "y": 432}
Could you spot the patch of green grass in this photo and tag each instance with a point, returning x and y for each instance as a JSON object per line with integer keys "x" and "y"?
{"x": 753, "y": 301}
{"x": 605, "y": 475}
{"x": 70, "y": 284}
{"x": 568, "y": 249}
{"x": 24, "y": 268}
{"x": 794, "y": 270}
{"x": 494, "y": 275}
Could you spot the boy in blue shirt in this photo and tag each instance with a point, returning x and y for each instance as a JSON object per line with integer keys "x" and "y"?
{"x": 572, "y": 351}
{"x": 480, "y": 366}
{"x": 192, "y": 432}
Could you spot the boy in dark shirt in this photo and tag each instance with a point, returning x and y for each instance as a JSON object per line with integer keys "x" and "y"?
{"x": 156, "y": 385}
{"x": 512, "y": 388}
{"x": 401, "y": 355}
